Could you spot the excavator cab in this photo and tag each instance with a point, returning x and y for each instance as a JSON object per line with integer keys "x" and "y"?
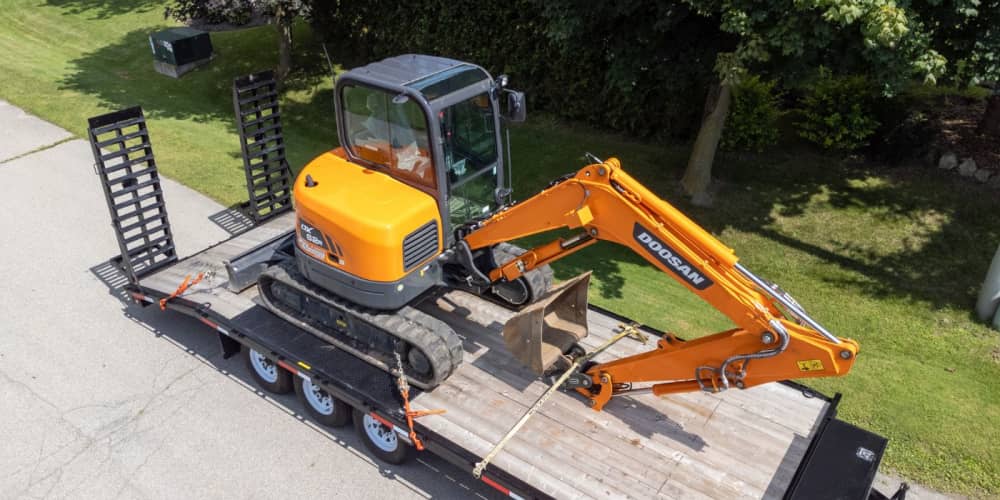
{"x": 382, "y": 219}
{"x": 440, "y": 133}
{"x": 434, "y": 124}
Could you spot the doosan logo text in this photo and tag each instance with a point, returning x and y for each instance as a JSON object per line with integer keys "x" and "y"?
{"x": 307, "y": 233}
{"x": 668, "y": 257}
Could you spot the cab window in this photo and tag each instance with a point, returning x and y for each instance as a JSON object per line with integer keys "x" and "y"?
{"x": 390, "y": 131}
{"x": 470, "y": 157}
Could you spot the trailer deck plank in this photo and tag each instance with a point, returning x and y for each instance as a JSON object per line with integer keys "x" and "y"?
{"x": 708, "y": 433}
{"x": 738, "y": 443}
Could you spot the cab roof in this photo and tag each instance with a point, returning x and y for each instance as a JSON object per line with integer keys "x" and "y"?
{"x": 431, "y": 75}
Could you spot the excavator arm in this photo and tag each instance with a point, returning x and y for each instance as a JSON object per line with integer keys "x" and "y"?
{"x": 774, "y": 338}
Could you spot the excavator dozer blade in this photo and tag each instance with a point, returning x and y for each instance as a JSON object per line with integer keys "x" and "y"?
{"x": 541, "y": 333}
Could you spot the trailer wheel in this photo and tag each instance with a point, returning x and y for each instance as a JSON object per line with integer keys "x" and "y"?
{"x": 322, "y": 406}
{"x": 380, "y": 439}
{"x": 268, "y": 375}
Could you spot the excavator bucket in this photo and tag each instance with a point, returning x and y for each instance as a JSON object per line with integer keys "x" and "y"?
{"x": 541, "y": 333}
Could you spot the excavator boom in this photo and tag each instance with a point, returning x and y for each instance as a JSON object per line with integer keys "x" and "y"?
{"x": 774, "y": 338}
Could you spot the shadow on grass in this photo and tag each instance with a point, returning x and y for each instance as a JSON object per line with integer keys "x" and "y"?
{"x": 909, "y": 233}
{"x": 121, "y": 75}
{"x": 104, "y": 9}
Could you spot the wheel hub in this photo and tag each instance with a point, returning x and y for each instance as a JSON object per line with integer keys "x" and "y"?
{"x": 317, "y": 398}
{"x": 264, "y": 367}
{"x": 382, "y": 436}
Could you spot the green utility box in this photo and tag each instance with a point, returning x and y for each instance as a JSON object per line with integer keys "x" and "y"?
{"x": 179, "y": 50}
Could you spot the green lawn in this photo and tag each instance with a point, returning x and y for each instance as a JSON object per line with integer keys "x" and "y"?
{"x": 892, "y": 258}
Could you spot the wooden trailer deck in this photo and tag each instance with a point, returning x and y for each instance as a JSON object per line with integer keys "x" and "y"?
{"x": 739, "y": 443}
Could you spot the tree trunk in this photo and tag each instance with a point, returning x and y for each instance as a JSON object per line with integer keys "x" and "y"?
{"x": 698, "y": 174}
{"x": 283, "y": 23}
{"x": 989, "y": 124}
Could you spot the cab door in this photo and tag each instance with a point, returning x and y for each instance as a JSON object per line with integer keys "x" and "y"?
{"x": 470, "y": 158}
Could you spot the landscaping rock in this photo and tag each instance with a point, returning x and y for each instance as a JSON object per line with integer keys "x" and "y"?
{"x": 983, "y": 175}
{"x": 967, "y": 168}
{"x": 994, "y": 182}
{"x": 948, "y": 161}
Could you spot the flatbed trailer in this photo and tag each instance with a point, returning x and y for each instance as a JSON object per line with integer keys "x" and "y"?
{"x": 776, "y": 440}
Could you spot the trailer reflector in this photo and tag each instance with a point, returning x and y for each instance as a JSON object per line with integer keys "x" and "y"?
{"x": 383, "y": 421}
{"x": 288, "y": 367}
{"x": 401, "y": 432}
{"x": 209, "y": 323}
{"x": 305, "y": 365}
{"x": 501, "y": 488}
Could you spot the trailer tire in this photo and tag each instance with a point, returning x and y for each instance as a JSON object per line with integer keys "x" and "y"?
{"x": 268, "y": 375}
{"x": 322, "y": 406}
{"x": 381, "y": 440}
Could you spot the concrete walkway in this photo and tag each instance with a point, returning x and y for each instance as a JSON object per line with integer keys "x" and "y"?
{"x": 102, "y": 399}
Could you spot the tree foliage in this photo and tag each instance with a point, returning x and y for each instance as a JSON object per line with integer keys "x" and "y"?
{"x": 790, "y": 38}
{"x": 967, "y": 34}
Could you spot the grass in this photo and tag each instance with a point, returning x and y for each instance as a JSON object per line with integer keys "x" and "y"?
{"x": 892, "y": 258}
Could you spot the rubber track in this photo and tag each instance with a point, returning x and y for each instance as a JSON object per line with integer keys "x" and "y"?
{"x": 539, "y": 279}
{"x": 438, "y": 341}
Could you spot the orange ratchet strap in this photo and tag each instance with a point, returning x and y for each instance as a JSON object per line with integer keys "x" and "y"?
{"x": 187, "y": 283}
{"x": 412, "y": 414}
{"x": 404, "y": 390}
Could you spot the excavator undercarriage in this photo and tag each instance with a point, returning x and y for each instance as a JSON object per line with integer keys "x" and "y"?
{"x": 542, "y": 335}
{"x": 430, "y": 349}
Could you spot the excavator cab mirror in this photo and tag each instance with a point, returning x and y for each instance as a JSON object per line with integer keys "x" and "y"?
{"x": 516, "y": 111}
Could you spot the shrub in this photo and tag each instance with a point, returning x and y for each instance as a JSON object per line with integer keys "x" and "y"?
{"x": 837, "y": 112}
{"x": 753, "y": 116}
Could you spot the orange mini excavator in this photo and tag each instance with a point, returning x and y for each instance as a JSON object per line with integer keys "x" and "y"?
{"x": 418, "y": 198}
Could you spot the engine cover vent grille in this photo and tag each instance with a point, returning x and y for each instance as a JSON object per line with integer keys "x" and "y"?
{"x": 420, "y": 244}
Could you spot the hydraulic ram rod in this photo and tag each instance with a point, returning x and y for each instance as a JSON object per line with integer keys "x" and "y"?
{"x": 792, "y": 306}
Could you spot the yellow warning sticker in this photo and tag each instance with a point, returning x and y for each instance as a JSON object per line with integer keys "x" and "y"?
{"x": 810, "y": 365}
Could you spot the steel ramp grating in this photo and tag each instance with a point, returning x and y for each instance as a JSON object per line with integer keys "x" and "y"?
{"x": 269, "y": 179}
{"x": 123, "y": 159}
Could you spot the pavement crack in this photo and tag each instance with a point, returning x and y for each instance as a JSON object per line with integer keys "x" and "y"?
{"x": 39, "y": 149}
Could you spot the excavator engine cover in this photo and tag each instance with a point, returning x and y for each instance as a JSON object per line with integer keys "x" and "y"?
{"x": 543, "y": 332}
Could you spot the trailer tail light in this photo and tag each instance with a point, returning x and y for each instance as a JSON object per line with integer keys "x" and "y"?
{"x": 501, "y": 488}
{"x": 288, "y": 367}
